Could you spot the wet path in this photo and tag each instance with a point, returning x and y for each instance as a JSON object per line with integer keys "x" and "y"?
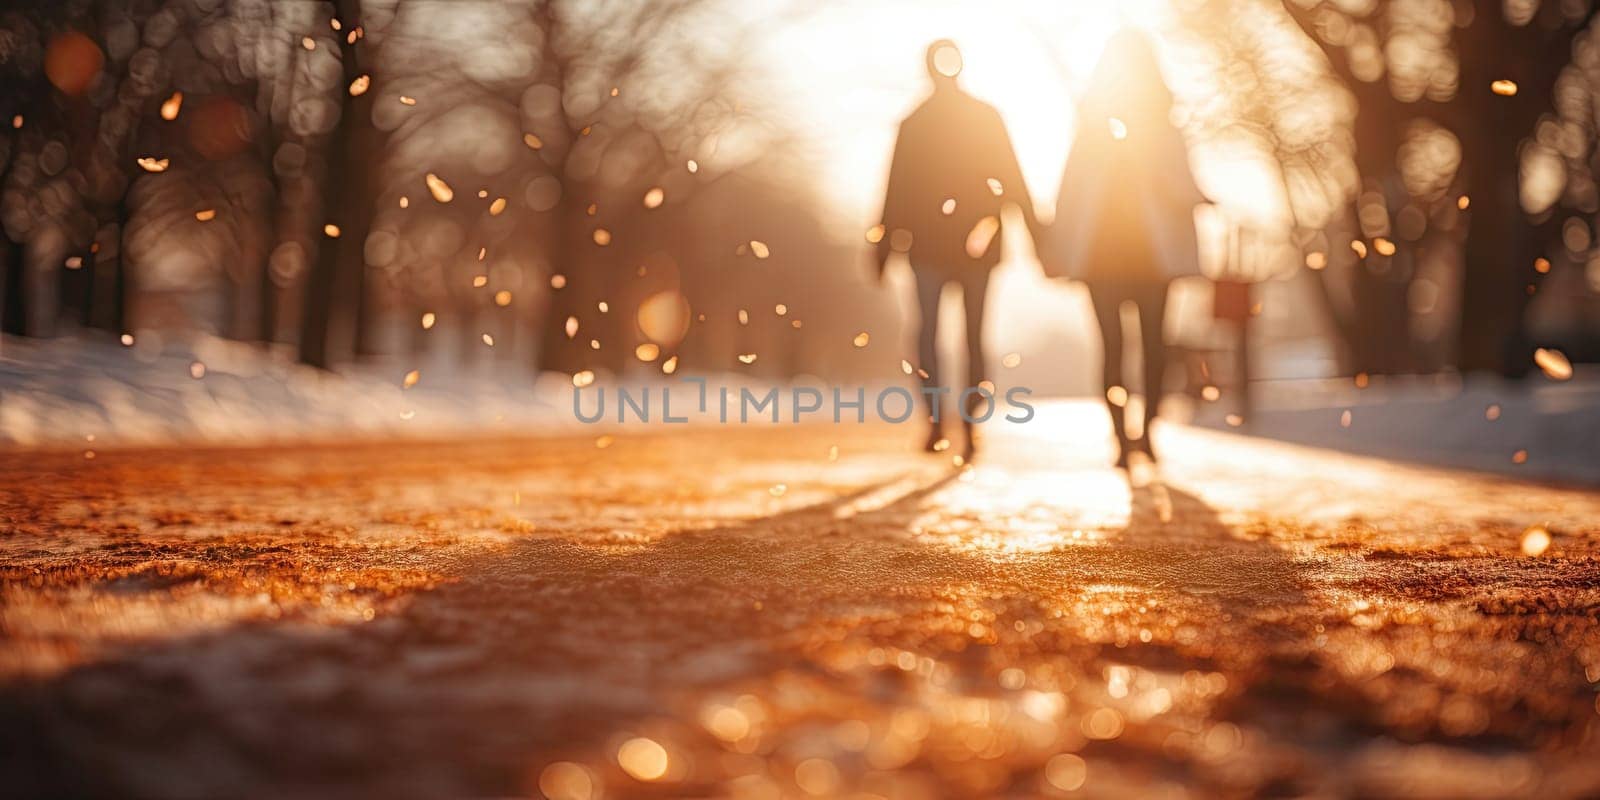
{"x": 754, "y": 613}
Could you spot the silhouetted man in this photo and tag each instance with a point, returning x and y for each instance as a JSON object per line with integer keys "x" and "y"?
{"x": 953, "y": 168}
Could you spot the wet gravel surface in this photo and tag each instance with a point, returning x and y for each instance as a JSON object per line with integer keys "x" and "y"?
{"x": 792, "y": 612}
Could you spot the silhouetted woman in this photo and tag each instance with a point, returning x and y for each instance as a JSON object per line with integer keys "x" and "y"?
{"x": 1125, "y": 217}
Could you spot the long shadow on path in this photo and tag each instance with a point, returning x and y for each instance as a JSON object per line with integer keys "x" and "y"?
{"x": 549, "y": 649}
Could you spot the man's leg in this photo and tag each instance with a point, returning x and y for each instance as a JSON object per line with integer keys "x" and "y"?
{"x": 974, "y": 294}
{"x": 930, "y": 287}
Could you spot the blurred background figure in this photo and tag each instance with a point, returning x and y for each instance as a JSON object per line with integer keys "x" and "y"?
{"x": 953, "y": 170}
{"x": 1125, "y": 221}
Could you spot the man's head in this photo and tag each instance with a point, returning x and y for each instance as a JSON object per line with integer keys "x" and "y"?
{"x": 944, "y": 62}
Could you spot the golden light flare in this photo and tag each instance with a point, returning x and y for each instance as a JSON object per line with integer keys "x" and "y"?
{"x": 16, "y": 122}
{"x": 564, "y": 780}
{"x": 572, "y": 327}
{"x": 604, "y": 441}
{"x": 727, "y": 723}
{"x": 488, "y": 340}
{"x": 1535, "y": 541}
{"x": 1117, "y": 396}
{"x": 171, "y": 106}
{"x": 206, "y": 215}
{"x": 817, "y": 777}
{"x": 996, "y": 188}
{"x": 693, "y": 166}
{"x": 670, "y": 365}
{"x": 480, "y": 281}
{"x": 360, "y": 85}
{"x": 1492, "y": 413}
{"x": 1316, "y": 260}
{"x": 602, "y": 237}
{"x": 948, "y": 207}
{"x": 1066, "y": 771}
{"x": 1504, "y": 88}
{"x": 1119, "y": 129}
{"x": 862, "y": 339}
{"x": 1103, "y": 724}
{"x": 308, "y": 43}
{"x": 331, "y": 231}
{"x": 497, "y": 207}
{"x": 558, "y": 281}
{"x": 664, "y": 317}
{"x": 643, "y": 758}
{"x": 1383, "y": 246}
{"x": 582, "y": 378}
{"x": 1359, "y": 247}
{"x": 153, "y": 164}
{"x": 1554, "y": 363}
{"x": 1463, "y": 202}
{"x": 532, "y": 141}
{"x": 1011, "y": 360}
{"x": 747, "y": 358}
{"x": 1519, "y": 457}
{"x": 875, "y": 233}
{"x": 655, "y": 197}
{"x": 647, "y": 352}
{"x": 407, "y": 100}
{"x": 1210, "y": 393}
{"x": 982, "y": 235}
{"x": 72, "y": 61}
{"x": 428, "y": 318}
{"x": 440, "y": 190}
{"x": 197, "y": 370}
{"x": 502, "y": 298}
{"x": 411, "y": 379}
{"x": 760, "y": 249}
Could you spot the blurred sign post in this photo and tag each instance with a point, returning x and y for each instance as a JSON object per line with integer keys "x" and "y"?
{"x": 1230, "y": 302}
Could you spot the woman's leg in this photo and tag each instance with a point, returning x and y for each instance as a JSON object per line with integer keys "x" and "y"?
{"x": 1152, "y": 304}
{"x": 1108, "y": 313}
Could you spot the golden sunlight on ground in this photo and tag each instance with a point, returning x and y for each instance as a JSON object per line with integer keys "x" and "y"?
{"x": 657, "y": 618}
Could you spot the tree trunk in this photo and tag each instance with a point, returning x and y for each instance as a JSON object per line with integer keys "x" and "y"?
{"x": 1501, "y": 245}
{"x": 13, "y": 309}
{"x": 338, "y": 275}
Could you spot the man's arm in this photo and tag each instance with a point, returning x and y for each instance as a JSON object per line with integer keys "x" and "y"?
{"x": 1013, "y": 185}
{"x": 892, "y": 202}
